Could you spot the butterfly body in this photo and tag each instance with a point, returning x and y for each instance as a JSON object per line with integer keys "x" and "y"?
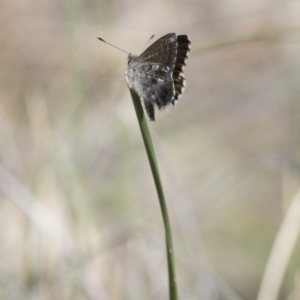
{"x": 157, "y": 74}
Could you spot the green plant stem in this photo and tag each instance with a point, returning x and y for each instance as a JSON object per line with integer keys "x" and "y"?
{"x": 155, "y": 172}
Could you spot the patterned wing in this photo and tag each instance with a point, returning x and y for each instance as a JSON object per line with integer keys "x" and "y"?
{"x": 154, "y": 84}
{"x": 163, "y": 51}
{"x": 183, "y": 50}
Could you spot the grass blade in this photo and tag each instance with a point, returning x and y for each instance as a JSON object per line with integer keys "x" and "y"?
{"x": 159, "y": 188}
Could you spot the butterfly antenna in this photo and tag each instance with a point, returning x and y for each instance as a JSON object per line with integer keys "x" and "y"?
{"x": 151, "y": 37}
{"x": 102, "y": 40}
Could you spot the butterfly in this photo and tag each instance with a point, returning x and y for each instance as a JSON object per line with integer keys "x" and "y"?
{"x": 157, "y": 75}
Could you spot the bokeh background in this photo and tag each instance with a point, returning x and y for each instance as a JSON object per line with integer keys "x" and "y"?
{"x": 79, "y": 215}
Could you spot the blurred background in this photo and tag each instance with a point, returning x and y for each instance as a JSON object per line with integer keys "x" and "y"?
{"x": 79, "y": 214}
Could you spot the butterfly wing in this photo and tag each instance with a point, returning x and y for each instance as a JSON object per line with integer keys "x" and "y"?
{"x": 163, "y": 51}
{"x": 154, "y": 84}
{"x": 183, "y": 50}
{"x": 170, "y": 50}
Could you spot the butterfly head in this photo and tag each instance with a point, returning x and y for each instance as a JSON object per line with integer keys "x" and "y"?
{"x": 130, "y": 59}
